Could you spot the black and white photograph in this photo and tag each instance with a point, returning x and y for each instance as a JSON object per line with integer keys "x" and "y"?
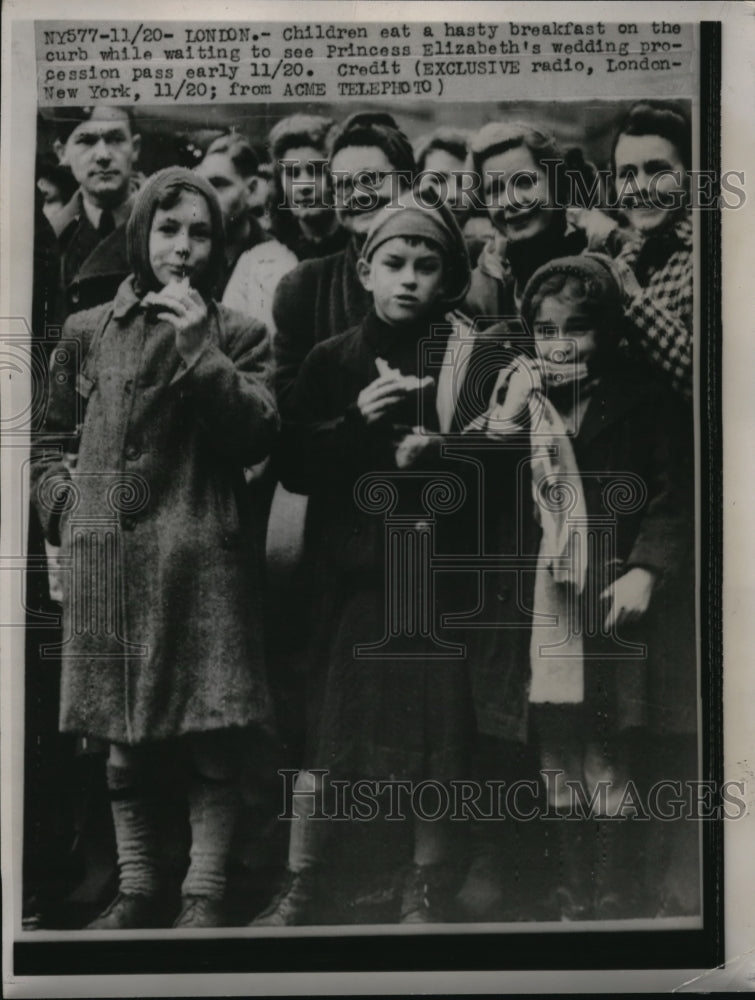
{"x": 364, "y": 424}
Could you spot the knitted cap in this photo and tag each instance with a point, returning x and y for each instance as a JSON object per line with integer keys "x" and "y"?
{"x": 437, "y": 226}
{"x": 366, "y": 128}
{"x": 595, "y": 269}
{"x": 139, "y": 225}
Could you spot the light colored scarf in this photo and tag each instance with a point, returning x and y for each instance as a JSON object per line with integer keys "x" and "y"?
{"x": 556, "y": 645}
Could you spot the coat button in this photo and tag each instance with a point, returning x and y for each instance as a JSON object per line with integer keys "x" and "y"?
{"x": 132, "y": 451}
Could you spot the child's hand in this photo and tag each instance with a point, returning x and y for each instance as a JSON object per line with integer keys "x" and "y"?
{"x": 510, "y": 397}
{"x": 630, "y": 286}
{"x": 388, "y": 389}
{"x": 184, "y": 308}
{"x": 413, "y": 445}
{"x": 630, "y": 596}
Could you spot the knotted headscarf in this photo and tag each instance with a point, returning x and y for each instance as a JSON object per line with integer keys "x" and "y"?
{"x": 152, "y": 192}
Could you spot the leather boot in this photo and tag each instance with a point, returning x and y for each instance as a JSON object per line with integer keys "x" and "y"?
{"x": 620, "y": 862}
{"x": 201, "y": 911}
{"x": 130, "y": 912}
{"x": 571, "y": 899}
{"x": 292, "y": 904}
{"x": 427, "y": 893}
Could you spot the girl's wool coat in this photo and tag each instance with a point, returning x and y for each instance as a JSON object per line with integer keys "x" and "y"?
{"x": 162, "y": 618}
{"x": 635, "y": 456}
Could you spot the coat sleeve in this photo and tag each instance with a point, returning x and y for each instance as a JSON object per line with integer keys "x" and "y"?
{"x": 293, "y": 305}
{"x": 666, "y": 528}
{"x": 662, "y": 318}
{"x": 54, "y": 447}
{"x": 325, "y": 442}
{"x": 231, "y": 389}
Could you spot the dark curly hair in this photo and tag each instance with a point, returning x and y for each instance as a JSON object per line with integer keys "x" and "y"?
{"x": 289, "y": 133}
{"x": 663, "y": 118}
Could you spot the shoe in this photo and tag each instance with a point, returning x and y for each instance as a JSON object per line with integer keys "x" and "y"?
{"x": 569, "y": 902}
{"x": 200, "y": 911}
{"x": 291, "y": 906}
{"x": 128, "y": 912}
{"x": 426, "y": 894}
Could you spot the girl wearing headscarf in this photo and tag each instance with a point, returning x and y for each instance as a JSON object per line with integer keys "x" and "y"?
{"x": 158, "y": 401}
{"x": 611, "y": 468}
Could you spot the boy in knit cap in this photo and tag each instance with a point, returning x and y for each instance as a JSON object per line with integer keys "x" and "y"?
{"x": 366, "y": 402}
{"x": 611, "y": 468}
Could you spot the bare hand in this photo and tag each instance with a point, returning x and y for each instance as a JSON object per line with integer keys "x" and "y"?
{"x": 412, "y": 446}
{"x": 510, "y": 397}
{"x": 630, "y": 286}
{"x": 596, "y": 225}
{"x": 184, "y": 308}
{"x": 630, "y": 596}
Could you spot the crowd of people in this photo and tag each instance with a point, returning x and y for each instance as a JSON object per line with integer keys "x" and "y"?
{"x": 370, "y": 469}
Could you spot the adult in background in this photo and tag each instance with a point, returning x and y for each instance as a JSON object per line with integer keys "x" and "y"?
{"x": 371, "y": 161}
{"x": 101, "y": 148}
{"x": 526, "y": 194}
{"x": 650, "y": 159}
{"x": 231, "y": 165}
{"x": 302, "y": 217}
{"x": 442, "y": 159}
{"x": 56, "y": 185}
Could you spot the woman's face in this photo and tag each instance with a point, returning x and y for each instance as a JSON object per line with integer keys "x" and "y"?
{"x": 650, "y": 180}
{"x": 180, "y": 240}
{"x": 306, "y": 182}
{"x": 364, "y": 181}
{"x": 516, "y": 193}
{"x": 444, "y": 172}
{"x": 52, "y": 199}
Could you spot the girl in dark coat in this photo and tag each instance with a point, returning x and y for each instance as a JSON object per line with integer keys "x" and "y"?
{"x": 161, "y": 606}
{"x": 389, "y": 694}
{"x": 611, "y": 467}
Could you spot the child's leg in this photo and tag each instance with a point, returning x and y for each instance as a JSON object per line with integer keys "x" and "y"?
{"x": 213, "y": 805}
{"x": 569, "y": 834}
{"x": 292, "y": 904}
{"x": 133, "y": 808}
{"x": 433, "y": 877}
{"x": 621, "y": 842}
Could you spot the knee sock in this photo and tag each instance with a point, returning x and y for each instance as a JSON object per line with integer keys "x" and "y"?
{"x": 132, "y": 805}
{"x": 309, "y": 831}
{"x": 213, "y": 805}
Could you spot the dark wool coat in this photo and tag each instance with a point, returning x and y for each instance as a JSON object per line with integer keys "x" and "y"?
{"x": 401, "y": 715}
{"x": 634, "y": 451}
{"x": 91, "y": 268}
{"x": 493, "y": 289}
{"x": 162, "y": 621}
{"x": 315, "y": 301}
